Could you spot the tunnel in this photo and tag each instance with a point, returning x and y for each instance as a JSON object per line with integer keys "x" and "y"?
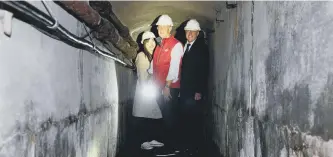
{"x": 67, "y": 77}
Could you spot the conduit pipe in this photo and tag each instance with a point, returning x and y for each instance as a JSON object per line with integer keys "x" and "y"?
{"x": 104, "y": 8}
{"x": 104, "y": 30}
{"x": 33, "y": 16}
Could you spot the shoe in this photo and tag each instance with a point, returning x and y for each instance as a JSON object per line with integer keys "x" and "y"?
{"x": 146, "y": 146}
{"x": 155, "y": 143}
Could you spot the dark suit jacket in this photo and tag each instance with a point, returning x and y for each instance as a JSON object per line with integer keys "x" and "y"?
{"x": 194, "y": 69}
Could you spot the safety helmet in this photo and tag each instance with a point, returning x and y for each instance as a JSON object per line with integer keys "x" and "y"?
{"x": 192, "y": 25}
{"x": 147, "y": 35}
{"x": 165, "y": 20}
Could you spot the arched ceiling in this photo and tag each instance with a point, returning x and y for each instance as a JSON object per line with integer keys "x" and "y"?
{"x": 138, "y": 16}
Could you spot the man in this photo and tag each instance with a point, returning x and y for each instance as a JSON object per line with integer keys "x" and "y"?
{"x": 194, "y": 80}
{"x": 165, "y": 68}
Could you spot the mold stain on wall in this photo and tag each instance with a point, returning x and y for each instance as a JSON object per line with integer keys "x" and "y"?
{"x": 278, "y": 78}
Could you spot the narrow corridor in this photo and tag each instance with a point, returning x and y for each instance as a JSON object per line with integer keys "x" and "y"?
{"x": 68, "y": 77}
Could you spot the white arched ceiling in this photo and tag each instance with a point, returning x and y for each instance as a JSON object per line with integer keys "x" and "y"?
{"x": 138, "y": 16}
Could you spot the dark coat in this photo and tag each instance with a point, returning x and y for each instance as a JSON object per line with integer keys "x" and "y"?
{"x": 194, "y": 69}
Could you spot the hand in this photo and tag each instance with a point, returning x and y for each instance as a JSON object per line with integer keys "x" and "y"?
{"x": 197, "y": 96}
{"x": 166, "y": 93}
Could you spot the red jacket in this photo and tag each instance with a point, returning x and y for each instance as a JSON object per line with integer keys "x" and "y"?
{"x": 161, "y": 62}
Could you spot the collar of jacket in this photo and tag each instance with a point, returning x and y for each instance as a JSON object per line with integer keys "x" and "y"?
{"x": 164, "y": 40}
{"x": 191, "y": 42}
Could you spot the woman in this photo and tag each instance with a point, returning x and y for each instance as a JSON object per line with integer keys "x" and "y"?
{"x": 145, "y": 108}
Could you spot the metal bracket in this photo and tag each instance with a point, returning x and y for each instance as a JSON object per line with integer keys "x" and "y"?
{"x": 218, "y": 12}
{"x": 6, "y": 22}
{"x": 230, "y": 6}
{"x": 218, "y": 21}
{"x": 56, "y": 23}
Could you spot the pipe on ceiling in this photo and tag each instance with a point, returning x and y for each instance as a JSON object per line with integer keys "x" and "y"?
{"x": 104, "y": 30}
{"x": 44, "y": 23}
{"x": 104, "y": 8}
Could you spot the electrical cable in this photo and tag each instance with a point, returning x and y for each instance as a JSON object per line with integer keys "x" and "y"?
{"x": 40, "y": 20}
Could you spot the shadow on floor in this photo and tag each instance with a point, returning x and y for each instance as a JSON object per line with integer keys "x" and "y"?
{"x": 210, "y": 150}
{"x": 129, "y": 148}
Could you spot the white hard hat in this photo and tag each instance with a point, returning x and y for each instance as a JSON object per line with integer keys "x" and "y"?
{"x": 147, "y": 35}
{"x": 192, "y": 25}
{"x": 165, "y": 20}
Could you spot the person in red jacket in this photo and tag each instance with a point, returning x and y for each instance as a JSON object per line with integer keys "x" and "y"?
{"x": 165, "y": 68}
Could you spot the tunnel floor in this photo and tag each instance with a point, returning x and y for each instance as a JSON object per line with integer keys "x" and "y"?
{"x": 131, "y": 148}
{"x": 208, "y": 151}
{"x": 130, "y": 145}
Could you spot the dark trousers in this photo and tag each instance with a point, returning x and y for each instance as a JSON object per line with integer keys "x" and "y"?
{"x": 191, "y": 123}
{"x": 170, "y": 114}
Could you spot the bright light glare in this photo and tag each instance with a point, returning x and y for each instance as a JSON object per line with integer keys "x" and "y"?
{"x": 149, "y": 90}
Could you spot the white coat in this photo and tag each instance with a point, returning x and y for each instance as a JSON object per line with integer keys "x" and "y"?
{"x": 143, "y": 107}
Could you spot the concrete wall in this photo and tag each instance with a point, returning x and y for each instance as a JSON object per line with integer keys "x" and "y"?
{"x": 55, "y": 100}
{"x": 273, "y": 80}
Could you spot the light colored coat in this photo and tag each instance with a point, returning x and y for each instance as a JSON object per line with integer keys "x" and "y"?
{"x": 143, "y": 107}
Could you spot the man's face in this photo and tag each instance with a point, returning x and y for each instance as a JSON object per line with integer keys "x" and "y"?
{"x": 164, "y": 31}
{"x": 191, "y": 35}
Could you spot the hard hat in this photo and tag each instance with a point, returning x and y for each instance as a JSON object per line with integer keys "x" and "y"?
{"x": 165, "y": 20}
{"x": 147, "y": 35}
{"x": 192, "y": 25}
